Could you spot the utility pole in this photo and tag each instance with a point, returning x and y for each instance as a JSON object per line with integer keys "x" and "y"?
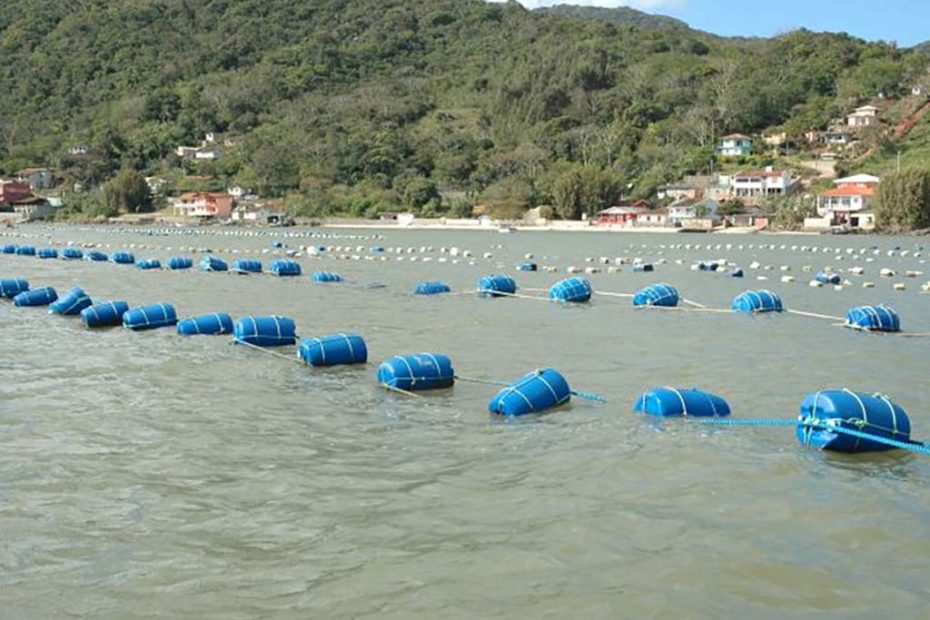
{"x": 899, "y": 160}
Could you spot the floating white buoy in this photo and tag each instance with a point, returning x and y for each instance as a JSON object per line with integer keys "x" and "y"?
{"x": 787, "y": 279}
{"x": 814, "y": 284}
{"x": 899, "y": 286}
{"x": 886, "y": 273}
{"x": 868, "y": 285}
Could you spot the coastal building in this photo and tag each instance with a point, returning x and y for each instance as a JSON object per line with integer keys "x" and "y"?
{"x": 849, "y": 202}
{"x": 866, "y": 116}
{"x": 679, "y": 213}
{"x": 836, "y": 138}
{"x": 753, "y": 185}
{"x": 753, "y": 217}
{"x": 207, "y": 151}
{"x": 692, "y": 186}
{"x": 216, "y": 205}
{"x": 13, "y": 191}
{"x": 652, "y": 219}
{"x": 622, "y": 215}
{"x": 79, "y": 149}
{"x": 33, "y": 208}
{"x": 267, "y": 214}
{"x": 735, "y": 145}
{"x": 37, "y": 178}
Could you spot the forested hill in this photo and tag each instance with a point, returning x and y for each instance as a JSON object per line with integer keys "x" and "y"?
{"x": 367, "y": 105}
{"x": 618, "y": 15}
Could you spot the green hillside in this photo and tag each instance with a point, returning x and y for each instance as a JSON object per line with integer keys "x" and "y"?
{"x": 618, "y": 15}
{"x": 362, "y": 106}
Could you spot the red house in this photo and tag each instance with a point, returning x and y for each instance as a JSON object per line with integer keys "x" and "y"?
{"x": 622, "y": 215}
{"x": 14, "y": 191}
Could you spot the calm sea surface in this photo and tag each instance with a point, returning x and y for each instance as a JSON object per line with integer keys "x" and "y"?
{"x": 146, "y": 475}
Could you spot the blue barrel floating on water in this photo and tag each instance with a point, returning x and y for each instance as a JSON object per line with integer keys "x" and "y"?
{"x": 284, "y": 268}
{"x": 432, "y": 288}
{"x": 571, "y": 290}
{"x": 123, "y": 258}
{"x": 496, "y": 286}
{"x": 247, "y": 265}
{"x": 72, "y": 254}
{"x": 95, "y": 256}
{"x": 150, "y": 317}
{"x": 736, "y": 273}
{"x": 534, "y": 392}
{"x": 334, "y": 350}
{"x": 528, "y": 266}
{"x": 828, "y": 278}
{"x": 149, "y": 263}
{"x": 11, "y": 287}
{"x": 663, "y": 295}
{"x": 25, "y": 250}
{"x": 643, "y": 268}
{"x": 212, "y": 263}
{"x": 874, "y": 414}
{"x": 266, "y": 331}
{"x": 668, "y": 401}
{"x": 178, "y": 263}
{"x": 8, "y": 248}
{"x": 277, "y": 244}
{"x": 874, "y": 318}
{"x": 377, "y": 249}
{"x": 757, "y": 301}
{"x": 326, "y": 276}
{"x": 104, "y": 314}
{"x": 72, "y": 303}
{"x": 37, "y": 297}
{"x": 424, "y": 371}
{"x": 206, "y": 325}
{"x": 47, "y": 253}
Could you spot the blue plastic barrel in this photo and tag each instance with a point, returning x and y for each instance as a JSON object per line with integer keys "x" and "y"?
{"x": 377, "y": 249}
{"x": 528, "y": 266}
{"x": 571, "y": 290}
{"x": 11, "y": 287}
{"x": 757, "y": 301}
{"x": 668, "y": 401}
{"x": 8, "y": 248}
{"x": 534, "y": 392}
{"x": 72, "y": 254}
{"x": 123, "y": 258}
{"x": 334, "y": 350}
{"x": 37, "y": 297}
{"x": 96, "y": 256}
{"x": 496, "y": 286}
{"x": 326, "y": 276}
{"x": 643, "y": 268}
{"x": 663, "y": 295}
{"x": 72, "y": 303}
{"x": 874, "y": 414}
{"x": 149, "y": 263}
{"x": 25, "y": 250}
{"x": 736, "y": 273}
{"x": 212, "y": 263}
{"x": 178, "y": 263}
{"x": 47, "y": 253}
{"x": 424, "y": 371}
{"x": 104, "y": 314}
{"x": 247, "y": 265}
{"x": 266, "y": 331}
{"x": 150, "y": 317}
{"x": 277, "y": 244}
{"x": 284, "y": 268}
{"x": 828, "y": 278}
{"x": 431, "y": 288}
{"x": 206, "y": 325}
{"x": 874, "y": 318}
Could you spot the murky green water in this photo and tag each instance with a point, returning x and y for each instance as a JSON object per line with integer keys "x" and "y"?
{"x": 148, "y": 475}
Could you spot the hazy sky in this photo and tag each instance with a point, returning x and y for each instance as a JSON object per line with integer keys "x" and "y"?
{"x": 904, "y": 21}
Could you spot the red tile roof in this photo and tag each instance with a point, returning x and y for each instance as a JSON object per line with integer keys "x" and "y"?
{"x": 849, "y": 190}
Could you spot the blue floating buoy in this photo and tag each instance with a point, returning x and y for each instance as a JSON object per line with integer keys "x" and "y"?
{"x": 178, "y": 263}
{"x": 149, "y": 263}
{"x": 534, "y": 392}
{"x": 206, "y": 325}
{"x": 334, "y": 350}
{"x": 72, "y": 254}
{"x": 37, "y": 297}
{"x": 277, "y": 244}
{"x": 96, "y": 256}
{"x": 424, "y": 371}
{"x": 528, "y": 266}
{"x": 828, "y": 278}
{"x": 736, "y": 273}
{"x": 247, "y": 265}
{"x": 72, "y": 303}
{"x": 663, "y": 295}
{"x": 874, "y": 414}
{"x": 668, "y": 401}
{"x": 643, "y": 268}
{"x": 104, "y": 314}
{"x": 25, "y": 250}
{"x": 266, "y": 331}
{"x": 431, "y": 288}
{"x": 571, "y": 290}
{"x": 150, "y": 317}
{"x": 122, "y": 258}
{"x": 47, "y": 253}
{"x": 212, "y": 263}
{"x": 326, "y": 276}
{"x": 757, "y": 301}
{"x": 284, "y": 268}
{"x": 11, "y": 287}
{"x": 377, "y": 249}
{"x": 496, "y": 286}
{"x": 8, "y": 248}
{"x": 874, "y": 318}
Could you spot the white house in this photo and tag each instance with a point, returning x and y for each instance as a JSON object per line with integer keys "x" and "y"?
{"x": 684, "y": 210}
{"x": 849, "y": 201}
{"x": 866, "y": 116}
{"x": 735, "y": 145}
{"x": 79, "y": 149}
{"x": 762, "y": 183}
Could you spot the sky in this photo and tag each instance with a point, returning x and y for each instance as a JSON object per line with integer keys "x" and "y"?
{"x": 905, "y": 21}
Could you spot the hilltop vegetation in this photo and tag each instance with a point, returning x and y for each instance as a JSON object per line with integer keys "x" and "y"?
{"x": 362, "y": 106}
{"x": 618, "y": 15}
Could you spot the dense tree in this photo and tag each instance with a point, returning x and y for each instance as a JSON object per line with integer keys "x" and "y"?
{"x": 128, "y": 192}
{"x": 904, "y": 201}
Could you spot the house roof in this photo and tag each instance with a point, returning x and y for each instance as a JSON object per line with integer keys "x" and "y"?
{"x": 736, "y": 136}
{"x": 858, "y": 179}
{"x": 867, "y": 108}
{"x": 624, "y": 210}
{"x": 761, "y": 173}
{"x": 28, "y": 171}
{"x": 849, "y": 190}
